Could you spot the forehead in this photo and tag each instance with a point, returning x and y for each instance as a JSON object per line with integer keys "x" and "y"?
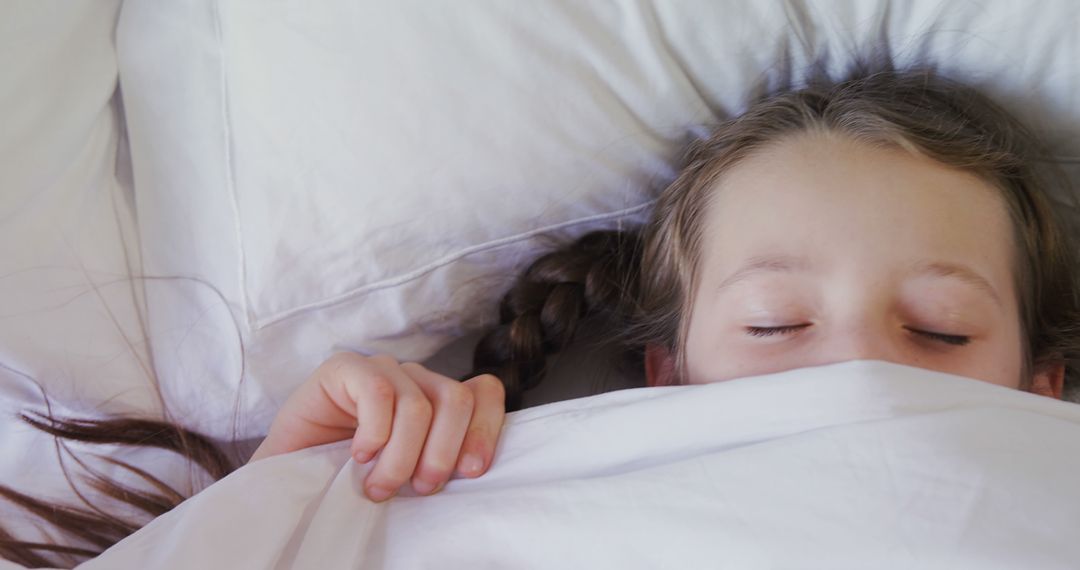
{"x": 828, "y": 197}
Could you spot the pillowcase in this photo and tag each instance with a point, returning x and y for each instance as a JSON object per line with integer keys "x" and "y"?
{"x": 316, "y": 177}
{"x": 67, "y": 235}
{"x": 69, "y": 314}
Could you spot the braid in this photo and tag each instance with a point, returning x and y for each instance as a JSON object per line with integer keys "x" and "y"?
{"x": 594, "y": 277}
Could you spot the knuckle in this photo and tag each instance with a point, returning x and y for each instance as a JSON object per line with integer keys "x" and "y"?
{"x": 412, "y": 366}
{"x": 382, "y": 390}
{"x": 383, "y": 360}
{"x": 341, "y": 362}
{"x": 416, "y": 406}
{"x": 491, "y": 382}
{"x": 478, "y": 433}
{"x": 458, "y": 397}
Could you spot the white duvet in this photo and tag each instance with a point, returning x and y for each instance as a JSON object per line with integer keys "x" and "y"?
{"x": 853, "y": 465}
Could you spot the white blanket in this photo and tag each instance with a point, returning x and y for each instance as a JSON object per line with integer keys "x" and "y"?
{"x": 853, "y": 465}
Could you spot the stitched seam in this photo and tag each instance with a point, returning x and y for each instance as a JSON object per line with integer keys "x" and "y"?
{"x": 230, "y": 173}
{"x": 446, "y": 260}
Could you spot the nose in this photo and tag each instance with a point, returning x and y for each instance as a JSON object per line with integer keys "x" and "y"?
{"x": 862, "y": 340}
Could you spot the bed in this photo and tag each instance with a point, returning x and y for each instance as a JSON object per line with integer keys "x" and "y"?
{"x": 205, "y": 199}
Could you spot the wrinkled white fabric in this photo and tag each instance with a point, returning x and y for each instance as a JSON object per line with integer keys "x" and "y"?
{"x": 853, "y": 465}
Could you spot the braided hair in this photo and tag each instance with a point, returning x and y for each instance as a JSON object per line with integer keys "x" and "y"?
{"x": 592, "y": 279}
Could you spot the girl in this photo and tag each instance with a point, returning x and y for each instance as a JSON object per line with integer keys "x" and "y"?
{"x": 894, "y": 216}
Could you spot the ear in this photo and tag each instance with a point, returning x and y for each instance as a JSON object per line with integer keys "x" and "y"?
{"x": 659, "y": 366}
{"x": 1049, "y": 380}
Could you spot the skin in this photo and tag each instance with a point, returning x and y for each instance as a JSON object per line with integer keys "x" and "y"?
{"x": 820, "y": 249}
{"x": 417, "y": 426}
{"x": 817, "y": 250}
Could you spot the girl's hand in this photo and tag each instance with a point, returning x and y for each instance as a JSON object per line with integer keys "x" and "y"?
{"x": 425, "y": 424}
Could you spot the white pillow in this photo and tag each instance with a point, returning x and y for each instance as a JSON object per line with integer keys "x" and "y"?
{"x": 69, "y": 318}
{"x": 372, "y": 176}
{"x": 67, "y": 233}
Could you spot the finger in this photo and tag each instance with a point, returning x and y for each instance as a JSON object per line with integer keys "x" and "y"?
{"x": 489, "y": 412}
{"x": 409, "y": 429}
{"x": 453, "y": 408}
{"x": 373, "y": 393}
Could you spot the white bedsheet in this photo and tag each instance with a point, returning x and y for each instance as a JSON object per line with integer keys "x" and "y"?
{"x": 853, "y": 465}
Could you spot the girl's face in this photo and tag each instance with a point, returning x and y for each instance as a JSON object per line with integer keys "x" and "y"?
{"x": 821, "y": 249}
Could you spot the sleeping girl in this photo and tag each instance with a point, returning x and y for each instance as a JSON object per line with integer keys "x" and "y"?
{"x": 893, "y": 216}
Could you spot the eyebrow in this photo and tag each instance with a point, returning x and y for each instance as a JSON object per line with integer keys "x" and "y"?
{"x": 957, "y": 271}
{"x": 792, "y": 263}
{"x": 763, "y": 264}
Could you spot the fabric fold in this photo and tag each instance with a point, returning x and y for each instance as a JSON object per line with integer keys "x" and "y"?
{"x": 851, "y": 465}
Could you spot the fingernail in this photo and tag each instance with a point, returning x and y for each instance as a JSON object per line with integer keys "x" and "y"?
{"x": 363, "y": 456}
{"x": 424, "y": 487}
{"x": 379, "y": 494}
{"x": 471, "y": 464}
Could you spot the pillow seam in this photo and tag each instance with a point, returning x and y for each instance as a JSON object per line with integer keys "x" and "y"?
{"x": 447, "y": 259}
{"x": 230, "y": 175}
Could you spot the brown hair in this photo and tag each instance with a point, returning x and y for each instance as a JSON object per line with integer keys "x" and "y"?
{"x": 89, "y": 525}
{"x": 637, "y": 284}
{"x": 644, "y": 279}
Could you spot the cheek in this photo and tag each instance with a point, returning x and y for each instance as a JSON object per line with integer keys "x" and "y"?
{"x": 703, "y": 352}
{"x": 711, "y": 355}
{"x": 1000, "y": 360}
{"x": 717, "y": 347}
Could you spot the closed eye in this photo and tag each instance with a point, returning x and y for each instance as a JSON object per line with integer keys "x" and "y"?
{"x": 770, "y": 331}
{"x": 953, "y": 339}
